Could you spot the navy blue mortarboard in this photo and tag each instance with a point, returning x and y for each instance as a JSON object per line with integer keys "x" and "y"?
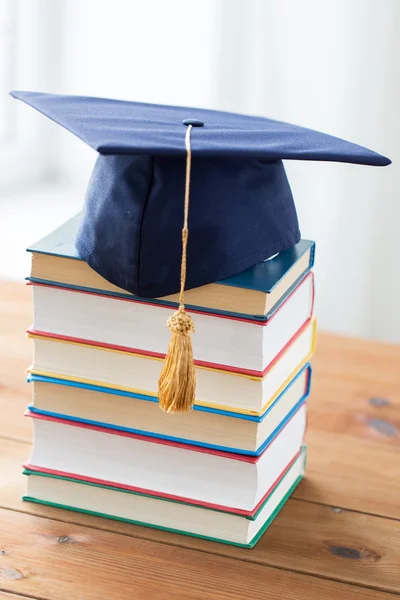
{"x": 241, "y": 206}
{"x": 136, "y": 223}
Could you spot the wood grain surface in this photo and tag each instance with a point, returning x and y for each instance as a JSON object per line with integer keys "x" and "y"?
{"x": 45, "y": 558}
{"x": 340, "y": 534}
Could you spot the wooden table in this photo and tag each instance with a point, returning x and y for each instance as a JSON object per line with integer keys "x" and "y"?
{"x": 339, "y": 537}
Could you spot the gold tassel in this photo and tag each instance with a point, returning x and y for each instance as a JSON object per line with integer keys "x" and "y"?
{"x": 177, "y": 383}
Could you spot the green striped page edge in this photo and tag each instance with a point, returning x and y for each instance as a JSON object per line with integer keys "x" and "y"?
{"x": 168, "y": 529}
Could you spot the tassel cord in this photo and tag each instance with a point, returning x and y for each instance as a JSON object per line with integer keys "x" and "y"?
{"x": 185, "y": 230}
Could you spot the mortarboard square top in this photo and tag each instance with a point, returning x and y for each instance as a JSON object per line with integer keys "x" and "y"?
{"x": 241, "y": 206}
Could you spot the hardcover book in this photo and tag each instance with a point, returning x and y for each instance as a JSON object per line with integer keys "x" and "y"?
{"x": 211, "y": 428}
{"x": 238, "y": 528}
{"x": 255, "y": 292}
{"x": 221, "y": 342}
{"x": 163, "y": 467}
{"x": 106, "y": 366}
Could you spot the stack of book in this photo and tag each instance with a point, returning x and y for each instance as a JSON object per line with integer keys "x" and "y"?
{"x": 102, "y": 445}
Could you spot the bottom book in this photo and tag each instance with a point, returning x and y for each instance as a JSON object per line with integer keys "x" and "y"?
{"x": 161, "y": 513}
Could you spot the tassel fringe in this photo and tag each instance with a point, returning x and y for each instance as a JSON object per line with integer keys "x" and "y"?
{"x": 177, "y": 383}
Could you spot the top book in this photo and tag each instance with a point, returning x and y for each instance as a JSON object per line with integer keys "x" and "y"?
{"x": 255, "y": 293}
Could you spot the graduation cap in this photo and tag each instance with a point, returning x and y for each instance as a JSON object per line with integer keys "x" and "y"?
{"x": 157, "y": 161}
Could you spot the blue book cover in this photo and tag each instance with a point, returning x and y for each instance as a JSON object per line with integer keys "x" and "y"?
{"x": 235, "y": 415}
{"x": 263, "y": 277}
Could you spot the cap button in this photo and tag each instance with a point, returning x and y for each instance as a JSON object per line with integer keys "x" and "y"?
{"x": 193, "y": 122}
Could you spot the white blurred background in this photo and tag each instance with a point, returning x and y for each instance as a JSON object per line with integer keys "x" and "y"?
{"x": 332, "y": 65}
